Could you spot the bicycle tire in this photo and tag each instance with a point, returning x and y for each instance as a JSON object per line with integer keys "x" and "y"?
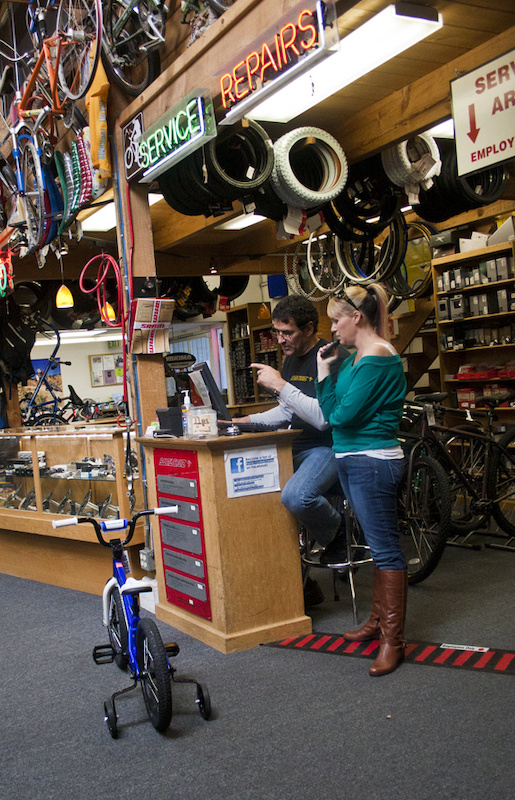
{"x": 33, "y": 200}
{"x": 322, "y": 265}
{"x": 154, "y": 674}
{"x": 471, "y": 460}
{"x": 131, "y": 67}
{"x": 47, "y": 419}
{"x": 293, "y": 167}
{"x": 501, "y": 482}
{"x": 423, "y": 523}
{"x": 81, "y": 23}
{"x": 117, "y": 630}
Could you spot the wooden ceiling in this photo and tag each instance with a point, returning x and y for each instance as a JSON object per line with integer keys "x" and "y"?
{"x": 408, "y": 94}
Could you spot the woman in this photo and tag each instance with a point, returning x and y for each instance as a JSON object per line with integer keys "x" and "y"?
{"x": 364, "y": 409}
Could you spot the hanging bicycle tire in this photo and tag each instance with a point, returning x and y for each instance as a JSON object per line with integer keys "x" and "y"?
{"x": 310, "y": 168}
{"x": 413, "y": 278}
{"x": 126, "y": 56}
{"x": 322, "y": 264}
{"x": 366, "y": 261}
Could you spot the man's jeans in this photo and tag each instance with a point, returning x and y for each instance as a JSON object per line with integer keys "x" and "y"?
{"x": 315, "y": 474}
{"x": 370, "y": 485}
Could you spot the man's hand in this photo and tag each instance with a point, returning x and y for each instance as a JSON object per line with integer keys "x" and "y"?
{"x": 269, "y": 377}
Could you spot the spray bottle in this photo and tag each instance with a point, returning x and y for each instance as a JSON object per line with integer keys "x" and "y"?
{"x": 186, "y": 406}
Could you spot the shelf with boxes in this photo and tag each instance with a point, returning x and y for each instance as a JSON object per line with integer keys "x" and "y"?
{"x": 475, "y": 311}
{"x": 250, "y": 340}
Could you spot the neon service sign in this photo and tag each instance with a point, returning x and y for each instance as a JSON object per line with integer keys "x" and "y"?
{"x": 179, "y": 132}
{"x": 298, "y": 40}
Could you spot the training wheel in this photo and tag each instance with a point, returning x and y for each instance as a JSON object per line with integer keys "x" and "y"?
{"x": 203, "y": 701}
{"x": 110, "y": 718}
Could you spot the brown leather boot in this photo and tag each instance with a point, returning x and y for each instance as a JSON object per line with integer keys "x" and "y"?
{"x": 371, "y": 629}
{"x": 394, "y": 590}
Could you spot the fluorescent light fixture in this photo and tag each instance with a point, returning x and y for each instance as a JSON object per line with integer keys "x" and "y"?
{"x": 239, "y": 222}
{"x": 79, "y": 337}
{"x": 328, "y": 42}
{"x": 102, "y": 220}
{"x": 386, "y": 35}
{"x": 445, "y": 129}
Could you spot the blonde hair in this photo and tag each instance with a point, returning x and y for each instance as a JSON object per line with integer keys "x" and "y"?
{"x": 371, "y": 301}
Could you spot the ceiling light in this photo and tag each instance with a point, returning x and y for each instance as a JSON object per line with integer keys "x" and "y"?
{"x": 64, "y": 298}
{"x": 102, "y": 220}
{"x": 239, "y": 222}
{"x": 444, "y": 130}
{"x": 387, "y": 34}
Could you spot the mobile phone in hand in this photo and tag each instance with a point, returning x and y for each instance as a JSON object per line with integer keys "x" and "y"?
{"x": 330, "y": 350}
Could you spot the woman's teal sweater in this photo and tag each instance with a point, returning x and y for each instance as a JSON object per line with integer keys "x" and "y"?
{"x": 364, "y": 407}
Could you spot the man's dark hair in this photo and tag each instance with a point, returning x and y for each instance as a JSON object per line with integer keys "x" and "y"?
{"x": 299, "y": 309}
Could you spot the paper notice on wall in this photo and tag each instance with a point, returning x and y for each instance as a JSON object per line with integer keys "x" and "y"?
{"x": 252, "y": 471}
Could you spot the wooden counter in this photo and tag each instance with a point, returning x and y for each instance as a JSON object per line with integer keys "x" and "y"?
{"x": 251, "y": 548}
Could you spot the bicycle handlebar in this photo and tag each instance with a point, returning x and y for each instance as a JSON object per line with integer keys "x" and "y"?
{"x": 103, "y": 526}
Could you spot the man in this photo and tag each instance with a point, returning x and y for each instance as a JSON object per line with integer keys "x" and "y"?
{"x": 295, "y": 321}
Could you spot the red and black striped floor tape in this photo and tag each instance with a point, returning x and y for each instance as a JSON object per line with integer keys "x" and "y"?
{"x": 482, "y": 659}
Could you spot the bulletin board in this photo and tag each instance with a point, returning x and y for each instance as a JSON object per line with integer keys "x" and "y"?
{"x": 106, "y": 370}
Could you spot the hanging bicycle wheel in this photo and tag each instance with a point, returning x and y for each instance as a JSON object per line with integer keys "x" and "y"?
{"x": 127, "y": 57}
{"x": 322, "y": 264}
{"x": 33, "y": 199}
{"x": 81, "y": 23}
{"x": 154, "y": 674}
{"x": 424, "y": 511}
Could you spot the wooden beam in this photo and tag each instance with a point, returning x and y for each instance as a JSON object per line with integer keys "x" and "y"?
{"x": 415, "y": 108}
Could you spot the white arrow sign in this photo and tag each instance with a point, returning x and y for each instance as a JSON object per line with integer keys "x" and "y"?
{"x": 483, "y": 109}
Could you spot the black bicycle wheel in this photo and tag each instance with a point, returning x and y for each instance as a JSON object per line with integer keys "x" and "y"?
{"x": 424, "y": 511}
{"x": 203, "y": 701}
{"x": 127, "y": 58}
{"x": 469, "y": 456}
{"x": 117, "y": 630}
{"x": 501, "y": 483}
{"x": 154, "y": 674}
{"x": 80, "y": 21}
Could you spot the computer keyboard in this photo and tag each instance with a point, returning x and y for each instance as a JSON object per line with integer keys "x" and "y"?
{"x": 252, "y": 427}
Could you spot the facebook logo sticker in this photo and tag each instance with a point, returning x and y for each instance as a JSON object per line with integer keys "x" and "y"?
{"x": 237, "y": 465}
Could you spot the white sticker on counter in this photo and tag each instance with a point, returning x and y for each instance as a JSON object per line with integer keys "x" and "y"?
{"x": 252, "y": 471}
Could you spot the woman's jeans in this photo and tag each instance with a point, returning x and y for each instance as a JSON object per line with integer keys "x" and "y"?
{"x": 370, "y": 485}
{"x": 315, "y": 474}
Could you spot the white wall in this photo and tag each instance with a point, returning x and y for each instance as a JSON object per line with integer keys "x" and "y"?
{"x": 79, "y": 373}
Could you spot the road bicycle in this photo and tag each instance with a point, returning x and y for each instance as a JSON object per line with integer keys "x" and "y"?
{"x": 468, "y": 464}
{"x": 132, "y": 33}
{"x": 135, "y": 643}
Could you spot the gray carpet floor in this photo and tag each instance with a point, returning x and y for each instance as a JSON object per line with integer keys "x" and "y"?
{"x": 285, "y": 724}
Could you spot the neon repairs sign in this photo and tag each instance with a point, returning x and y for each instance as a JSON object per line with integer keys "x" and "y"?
{"x": 181, "y": 131}
{"x": 298, "y": 40}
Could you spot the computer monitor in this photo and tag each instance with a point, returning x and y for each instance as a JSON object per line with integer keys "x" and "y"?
{"x": 202, "y": 380}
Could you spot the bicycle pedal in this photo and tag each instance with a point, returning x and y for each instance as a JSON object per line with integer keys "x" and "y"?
{"x": 103, "y": 654}
{"x": 172, "y": 649}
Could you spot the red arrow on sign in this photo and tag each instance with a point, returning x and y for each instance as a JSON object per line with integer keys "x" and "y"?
{"x": 474, "y": 130}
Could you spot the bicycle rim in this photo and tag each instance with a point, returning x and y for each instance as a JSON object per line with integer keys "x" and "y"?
{"x": 80, "y": 21}
{"x": 322, "y": 265}
{"x": 424, "y": 510}
{"x": 34, "y": 196}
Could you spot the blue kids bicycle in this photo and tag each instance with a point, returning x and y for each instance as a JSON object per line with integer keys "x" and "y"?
{"x": 135, "y": 644}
